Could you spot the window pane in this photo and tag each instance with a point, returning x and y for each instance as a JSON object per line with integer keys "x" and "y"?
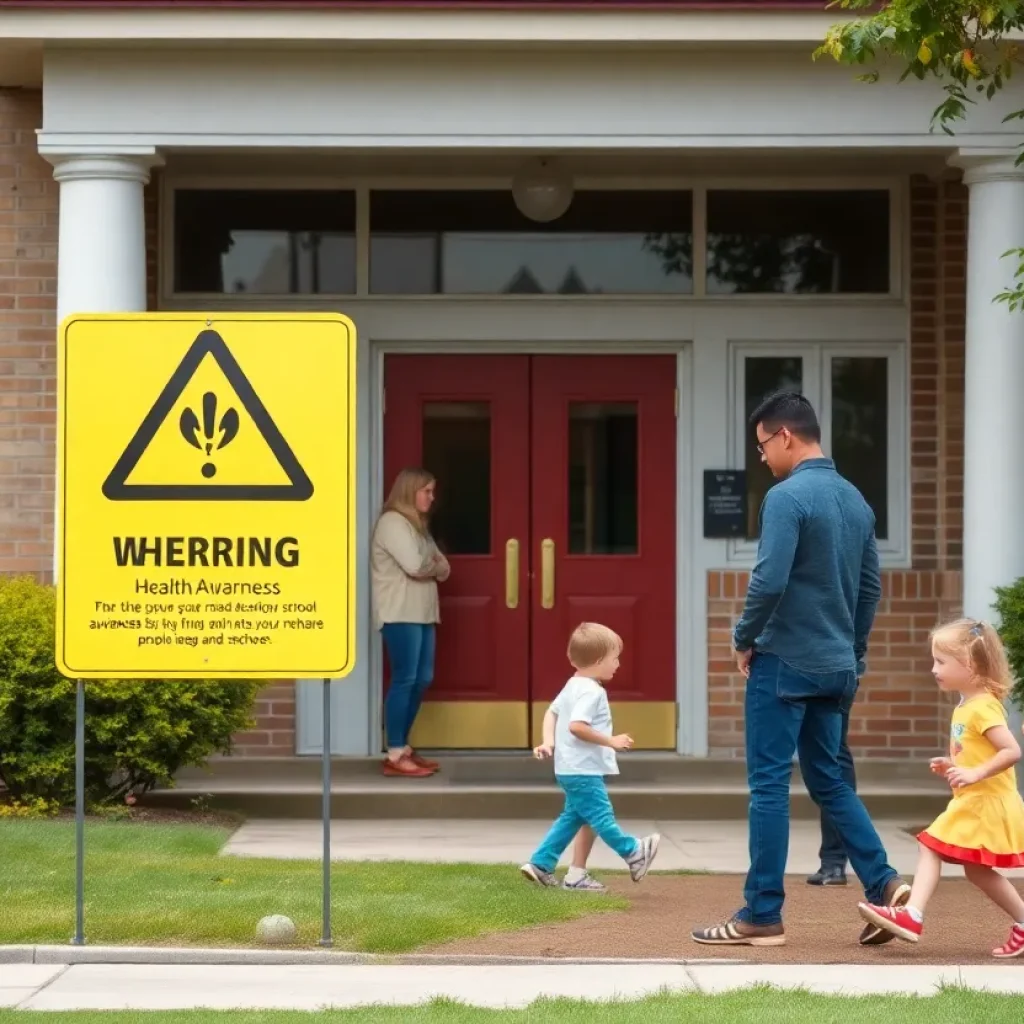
{"x": 457, "y": 450}
{"x": 817, "y": 242}
{"x": 762, "y": 376}
{"x": 860, "y": 430}
{"x": 478, "y": 243}
{"x": 264, "y": 242}
{"x": 603, "y": 478}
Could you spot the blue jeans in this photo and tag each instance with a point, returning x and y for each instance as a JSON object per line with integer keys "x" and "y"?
{"x": 586, "y": 803}
{"x": 832, "y": 853}
{"x": 787, "y": 713}
{"x": 411, "y": 654}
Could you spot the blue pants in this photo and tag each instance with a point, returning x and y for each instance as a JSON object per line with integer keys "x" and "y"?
{"x": 411, "y": 654}
{"x": 586, "y": 803}
{"x": 786, "y": 713}
{"x": 832, "y": 853}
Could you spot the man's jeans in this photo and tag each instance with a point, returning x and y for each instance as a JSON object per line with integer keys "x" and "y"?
{"x": 832, "y": 854}
{"x": 788, "y": 713}
{"x": 586, "y": 803}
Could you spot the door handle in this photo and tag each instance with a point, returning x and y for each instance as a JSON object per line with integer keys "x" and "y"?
{"x": 512, "y": 573}
{"x": 547, "y": 573}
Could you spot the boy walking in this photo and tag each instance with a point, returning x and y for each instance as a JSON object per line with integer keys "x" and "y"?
{"x": 578, "y": 730}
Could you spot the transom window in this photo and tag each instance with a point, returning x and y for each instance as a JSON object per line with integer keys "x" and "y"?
{"x": 475, "y": 242}
{"x": 264, "y": 242}
{"x": 478, "y": 243}
{"x": 808, "y": 242}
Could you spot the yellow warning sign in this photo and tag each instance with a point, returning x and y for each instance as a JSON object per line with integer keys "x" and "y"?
{"x": 206, "y": 498}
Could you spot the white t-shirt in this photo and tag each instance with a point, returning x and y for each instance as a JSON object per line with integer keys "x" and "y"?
{"x": 583, "y": 700}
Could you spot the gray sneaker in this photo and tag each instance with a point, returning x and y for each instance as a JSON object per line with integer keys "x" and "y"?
{"x": 641, "y": 861}
{"x": 585, "y": 884}
{"x": 534, "y": 874}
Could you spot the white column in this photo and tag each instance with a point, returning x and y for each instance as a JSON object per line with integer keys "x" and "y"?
{"x": 993, "y": 450}
{"x": 101, "y": 252}
{"x": 101, "y": 241}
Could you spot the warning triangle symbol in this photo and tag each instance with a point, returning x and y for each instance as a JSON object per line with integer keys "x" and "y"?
{"x": 208, "y": 343}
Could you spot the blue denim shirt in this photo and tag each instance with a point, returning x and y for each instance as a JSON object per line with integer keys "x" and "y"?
{"x": 816, "y": 585}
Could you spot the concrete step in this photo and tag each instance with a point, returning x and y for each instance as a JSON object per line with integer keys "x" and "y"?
{"x": 489, "y": 786}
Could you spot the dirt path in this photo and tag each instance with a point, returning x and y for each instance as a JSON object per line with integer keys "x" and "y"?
{"x": 821, "y": 926}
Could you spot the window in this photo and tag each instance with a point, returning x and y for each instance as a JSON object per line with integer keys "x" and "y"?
{"x": 457, "y": 448}
{"x": 478, "y": 243}
{"x": 857, "y": 392}
{"x": 798, "y": 242}
{"x": 603, "y": 486}
{"x": 264, "y": 242}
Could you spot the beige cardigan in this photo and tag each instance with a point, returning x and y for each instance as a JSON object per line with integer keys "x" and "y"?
{"x": 398, "y": 553}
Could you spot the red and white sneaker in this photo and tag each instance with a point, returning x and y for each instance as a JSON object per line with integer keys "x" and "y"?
{"x": 895, "y": 920}
{"x": 1014, "y": 944}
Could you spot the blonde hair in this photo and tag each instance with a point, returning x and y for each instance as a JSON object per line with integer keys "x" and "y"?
{"x": 590, "y": 643}
{"x": 976, "y": 645}
{"x": 402, "y": 498}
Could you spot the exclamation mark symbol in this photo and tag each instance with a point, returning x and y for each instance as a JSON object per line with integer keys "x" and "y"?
{"x": 209, "y": 419}
{"x": 212, "y": 437}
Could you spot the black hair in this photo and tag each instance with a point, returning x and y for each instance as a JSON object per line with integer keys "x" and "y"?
{"x": 791, "y": 410}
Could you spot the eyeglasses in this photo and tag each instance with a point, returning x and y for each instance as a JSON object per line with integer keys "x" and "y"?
{"x": 761, "y": 444}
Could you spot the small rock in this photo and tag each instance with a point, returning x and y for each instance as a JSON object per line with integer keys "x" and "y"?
{"x": 276, "y": 929}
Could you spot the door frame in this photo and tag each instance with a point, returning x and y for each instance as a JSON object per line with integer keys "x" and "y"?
{"x": 691, "y": 701}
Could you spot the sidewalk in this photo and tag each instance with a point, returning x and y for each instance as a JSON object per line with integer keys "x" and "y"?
{"x": 178, "y": 987}
{"x": 717, "y": 847}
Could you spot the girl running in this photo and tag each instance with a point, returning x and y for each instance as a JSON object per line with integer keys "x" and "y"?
{"x": 983, "y": 827}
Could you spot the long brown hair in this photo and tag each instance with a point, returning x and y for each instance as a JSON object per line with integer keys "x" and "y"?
{"x": 402, "y": 498}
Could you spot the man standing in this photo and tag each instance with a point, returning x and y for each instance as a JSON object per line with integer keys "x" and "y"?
{"x": 832, "y": 854}
{"x": 800, "y": 643}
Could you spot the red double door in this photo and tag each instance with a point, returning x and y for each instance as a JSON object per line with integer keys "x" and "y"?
{"x": 556, "y": 505}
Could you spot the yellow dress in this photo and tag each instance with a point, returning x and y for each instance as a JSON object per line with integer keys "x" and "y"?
{"x": 984, "y": 823}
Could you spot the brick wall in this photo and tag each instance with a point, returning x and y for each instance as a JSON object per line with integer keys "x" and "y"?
{"x": 899, "y": 712}
{"x": 28, "y": 296}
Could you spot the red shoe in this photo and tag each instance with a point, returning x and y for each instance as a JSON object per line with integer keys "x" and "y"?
{"x": 424, "y": 762}
{"x": 895, "y": 920}
{"x": 1014, "y": 944}
{"x": 405, "y": 766}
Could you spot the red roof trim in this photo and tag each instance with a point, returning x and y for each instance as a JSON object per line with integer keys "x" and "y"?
{"x": 629, "y": 5}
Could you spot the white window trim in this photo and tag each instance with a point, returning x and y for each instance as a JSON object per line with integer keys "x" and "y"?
{"x": 894, "y": 551}
{"x": 897, "y": 187}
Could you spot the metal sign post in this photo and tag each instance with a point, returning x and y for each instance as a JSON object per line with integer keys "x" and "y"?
{"x": 325, "y": 936}
{"x": 79, "y": 938}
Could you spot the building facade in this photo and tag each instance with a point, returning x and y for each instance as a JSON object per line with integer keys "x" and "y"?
{"x": 741, "y": 218}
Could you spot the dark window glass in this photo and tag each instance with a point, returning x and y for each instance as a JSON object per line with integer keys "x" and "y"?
{"x": 761, "y": 376}
{"x": 817, "y": 242}
{"x": 603, "y": 478}
{"x": 478, "y": 243}
{"x": 457, "y": 450}
{"x": 266, "y": 242}
{"x": 860, "y": 430}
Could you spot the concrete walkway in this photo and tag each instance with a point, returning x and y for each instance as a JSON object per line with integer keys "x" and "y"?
{"x": 719, "y": 847}
{"x": 176, "y": 987}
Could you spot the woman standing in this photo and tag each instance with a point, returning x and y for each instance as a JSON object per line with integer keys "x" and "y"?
{"x": 405, "y": 567}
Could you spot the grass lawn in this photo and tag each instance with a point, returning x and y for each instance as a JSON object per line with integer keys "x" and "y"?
{"x": 151, "y": 884}
{"x": 756, "y": 1006}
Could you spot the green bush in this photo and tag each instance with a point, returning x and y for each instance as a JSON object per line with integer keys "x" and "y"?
{"x": 138, "y": 734}
{"x": 1010, "y": 607}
